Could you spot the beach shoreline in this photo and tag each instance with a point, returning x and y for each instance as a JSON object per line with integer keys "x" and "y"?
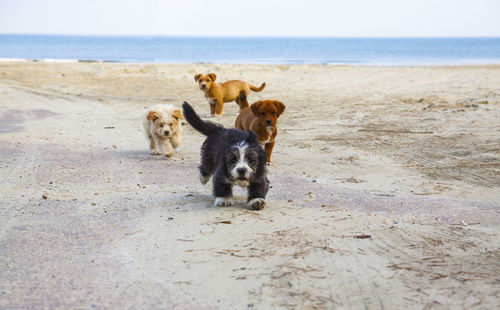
{"x": 455, "y": 63}
{"x": 384, "y": 190}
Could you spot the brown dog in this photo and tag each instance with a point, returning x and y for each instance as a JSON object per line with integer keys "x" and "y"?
{"x": 261, "y": 118}
{"x": 217, "y": 93}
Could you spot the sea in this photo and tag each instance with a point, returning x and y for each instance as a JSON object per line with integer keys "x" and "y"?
{"x": 252, "y": 50}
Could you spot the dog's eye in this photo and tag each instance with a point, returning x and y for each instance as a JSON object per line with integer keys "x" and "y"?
{"x": 169, "y": 124}
{"x": 262, "y": 113}
{"x": 161, "y": 125}
{"x": 274, "y": 113}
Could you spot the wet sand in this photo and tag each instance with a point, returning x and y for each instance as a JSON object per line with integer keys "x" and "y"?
{"x": 385, "y": 191}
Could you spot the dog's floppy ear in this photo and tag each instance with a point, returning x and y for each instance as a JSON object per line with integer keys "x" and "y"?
{"x": 280, "y": 106}
{"x": 197, "y": 77}
{"x": 252, "y": 138}
{"x": 255, "y": 107}
{"x": 177, "y": 114}
{"x": 153, "y": 116}
{"x": 212, "y": 76}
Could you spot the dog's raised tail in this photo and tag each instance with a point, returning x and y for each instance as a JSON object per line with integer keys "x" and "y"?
{"x": 258, "y": 88}
{"x": 194, "y": 120}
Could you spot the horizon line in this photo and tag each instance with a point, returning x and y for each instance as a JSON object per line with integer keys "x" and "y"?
{"x": 252, "y": 36}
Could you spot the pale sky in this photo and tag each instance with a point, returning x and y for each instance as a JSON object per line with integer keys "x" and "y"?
{"x": 303, "y": 18}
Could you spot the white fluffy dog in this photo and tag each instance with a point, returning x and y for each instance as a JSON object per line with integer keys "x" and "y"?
{"x": 163, "y": 129}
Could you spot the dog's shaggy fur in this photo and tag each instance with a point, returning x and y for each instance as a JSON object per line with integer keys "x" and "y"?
{"x": 261, "y": 117}
{"x": 233, "y": 157}
{"x": 162, "y": 125}
{"x": 218, "y": 93}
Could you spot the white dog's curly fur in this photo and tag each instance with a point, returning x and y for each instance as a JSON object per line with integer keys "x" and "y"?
{"x": 162, "y": 125}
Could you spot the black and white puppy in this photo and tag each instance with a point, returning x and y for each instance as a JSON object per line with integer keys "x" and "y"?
{"x": 233, "y": 157}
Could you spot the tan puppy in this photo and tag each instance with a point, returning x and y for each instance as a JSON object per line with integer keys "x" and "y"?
{"x": 163, "y": 129}
{"x": 261, "y": 118}
{"x": 217, "y": 94}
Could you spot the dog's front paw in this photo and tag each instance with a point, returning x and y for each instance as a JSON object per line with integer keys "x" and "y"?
{"x": 257, "y": 203}
{"x": 169, "y": 154}
{"x": 223, "y": 201}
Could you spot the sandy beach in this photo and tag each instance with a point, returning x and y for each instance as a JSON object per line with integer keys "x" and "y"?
{"x": 385, "y": 191}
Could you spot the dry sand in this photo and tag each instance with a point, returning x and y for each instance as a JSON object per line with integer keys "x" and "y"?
{"x": 407, "y": 155}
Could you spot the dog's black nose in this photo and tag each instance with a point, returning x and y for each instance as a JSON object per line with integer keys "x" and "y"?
{"x": 268, "y": 122}
{"x": 167, "y": 132}
{"x": 241, "y": 170}
{"x": 203, "y": 86}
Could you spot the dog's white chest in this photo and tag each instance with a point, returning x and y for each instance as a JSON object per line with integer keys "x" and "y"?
{"x": 265, "y": 141}
{"x": 270, "y": 131}
{"x": 211, "y": 98}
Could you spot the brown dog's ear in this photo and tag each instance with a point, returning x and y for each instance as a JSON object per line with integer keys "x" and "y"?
{"x": 255, "y": 107}
{"x": 197, "y": 77}
{"x": 177, "y": 114}
{"x": 212, "y": 76}
{"x": 280, "y": 106}
{"x": 153, "y": 116}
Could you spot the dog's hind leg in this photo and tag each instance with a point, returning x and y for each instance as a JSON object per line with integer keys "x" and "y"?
{"x": 204, "y": 176}
{"x": 152, "y": 145}
{"x": 206, "y": 169}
